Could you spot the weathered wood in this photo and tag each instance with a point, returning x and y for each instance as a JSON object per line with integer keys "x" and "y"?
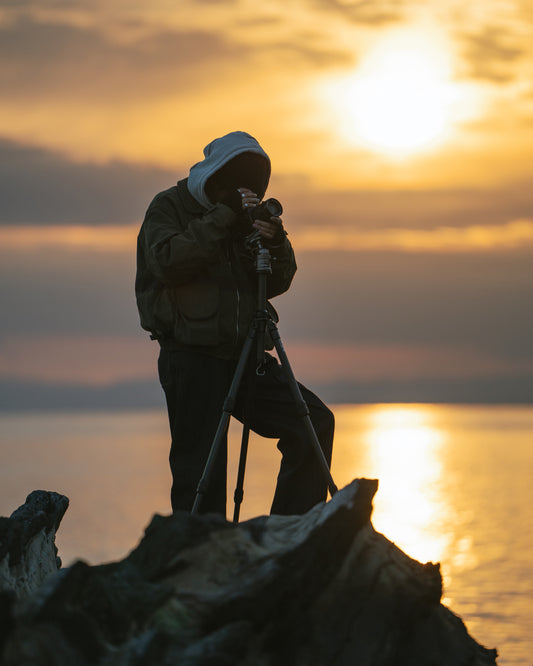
{"x": 322, "y": 589}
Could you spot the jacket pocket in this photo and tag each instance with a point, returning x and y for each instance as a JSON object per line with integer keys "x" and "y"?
{"x": 197, "y": 305}
{"x": 197, "y": 300}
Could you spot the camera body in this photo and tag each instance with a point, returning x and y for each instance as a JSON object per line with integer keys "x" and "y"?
{"x": 265, "y": 210}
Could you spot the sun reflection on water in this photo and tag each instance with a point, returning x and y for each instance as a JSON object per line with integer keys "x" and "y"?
{"x": 403, "y": 445}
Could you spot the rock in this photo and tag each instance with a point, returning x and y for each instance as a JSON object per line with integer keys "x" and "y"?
{"x": 321, "y": 589}
{"x": 28, "y": 554}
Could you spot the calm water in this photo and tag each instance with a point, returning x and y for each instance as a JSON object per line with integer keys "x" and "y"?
{"x": 455, "y": 488}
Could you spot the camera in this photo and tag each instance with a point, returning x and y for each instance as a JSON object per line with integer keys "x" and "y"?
{"x": 265, "y": 210}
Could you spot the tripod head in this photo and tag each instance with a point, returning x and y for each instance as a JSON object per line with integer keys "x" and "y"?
{"x": 254, "y": 244}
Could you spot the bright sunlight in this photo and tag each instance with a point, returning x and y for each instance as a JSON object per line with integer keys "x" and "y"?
{"x": 401, "y": 99}
{"x": 403, "y": 448}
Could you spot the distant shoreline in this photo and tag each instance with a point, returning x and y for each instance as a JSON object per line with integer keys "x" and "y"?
{"x": 21, "y": 396}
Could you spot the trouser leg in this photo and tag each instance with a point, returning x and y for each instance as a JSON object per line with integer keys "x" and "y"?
{"x": 301, "y": 483}
{"x": 195, "y": 387}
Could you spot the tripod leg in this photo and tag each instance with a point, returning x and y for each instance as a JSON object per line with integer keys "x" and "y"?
{"x": 238, "y": 495}
{"x": 229, "y": 406}
{"x": 239, "y": 488}
{"x": 301, "y": 406}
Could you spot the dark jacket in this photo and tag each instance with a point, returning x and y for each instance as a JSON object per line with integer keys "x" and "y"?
{"x": 196, "y": 282}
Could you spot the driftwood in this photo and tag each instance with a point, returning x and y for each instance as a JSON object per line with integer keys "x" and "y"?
{"x": 323, "y": 589}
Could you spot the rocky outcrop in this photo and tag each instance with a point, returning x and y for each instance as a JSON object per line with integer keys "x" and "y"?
{"x": 28, "y": 554}
{"x": 321, "y": 589}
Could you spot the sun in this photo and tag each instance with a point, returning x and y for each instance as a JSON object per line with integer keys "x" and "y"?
{"x": 401, "y": 99}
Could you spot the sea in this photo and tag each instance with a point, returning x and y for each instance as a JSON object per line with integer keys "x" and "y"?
{"x": 455, "y": 487}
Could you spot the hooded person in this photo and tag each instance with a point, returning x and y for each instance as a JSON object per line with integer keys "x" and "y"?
{"x": 234, "y": 160}
{"x": 196, "y": 295}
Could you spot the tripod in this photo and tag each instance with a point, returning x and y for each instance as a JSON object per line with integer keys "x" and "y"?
{"x": 262, "y": 320}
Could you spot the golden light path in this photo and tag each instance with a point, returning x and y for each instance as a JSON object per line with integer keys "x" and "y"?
{"x": 400, "y": 446}
{"x": 403, "y": 449}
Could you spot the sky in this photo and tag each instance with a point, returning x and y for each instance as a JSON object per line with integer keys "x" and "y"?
{"x": 401, "y": 140}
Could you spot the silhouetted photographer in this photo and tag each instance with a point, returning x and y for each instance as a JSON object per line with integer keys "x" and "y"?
{"x": 199, "y": 289}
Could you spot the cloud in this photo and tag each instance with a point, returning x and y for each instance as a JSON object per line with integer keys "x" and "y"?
{"x": 483, "y": 390}
{"x": 106, "y": 239}
{"x": 28, "y": 396}
{"x": 492, "y": 54}
{"x": 105, "y": 362}
{"x": 81, "y": 360}
{"x": 301, "y": 52}
{"x": 133, "y": 395}
{"x": 376, "y": 14}
{"x": 472, "y": 300}
{"x": 476, "y": 301}
{"x": 354, "y": 319}
{"x": 514, "y": 235}
{"x": 46, "y": 59}
{"x": 397, "y": 285}
{"x": 517, "y": 234}
{"x": 46, "y": 187}
{"x": 38, "y": 186}
{"x": 409, "y": 208}
{"x": 67, "y": 291}
{"x": 125, "y": 80}
{"x": 91, "y": 62}
{"x": 325, "y": 362}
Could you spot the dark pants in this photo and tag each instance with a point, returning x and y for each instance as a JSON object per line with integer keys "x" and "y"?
{"x": 196, "y": 386}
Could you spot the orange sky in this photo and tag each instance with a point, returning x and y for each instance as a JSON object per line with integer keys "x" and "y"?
{"x": 145, "y": 83}
{"x": 401, "y": 140}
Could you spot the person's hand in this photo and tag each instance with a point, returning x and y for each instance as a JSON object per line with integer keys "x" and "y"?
{"x": 249, "y": 199}
{"x": 268, "y": 229}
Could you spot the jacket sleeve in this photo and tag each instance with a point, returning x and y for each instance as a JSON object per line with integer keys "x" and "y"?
{"x": 283, "y": 268}
{"x": 177, "y": 250}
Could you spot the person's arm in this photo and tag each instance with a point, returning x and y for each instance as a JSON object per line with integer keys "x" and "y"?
{"x": 176, "y": 253}
{"x": 283, "y": 267}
